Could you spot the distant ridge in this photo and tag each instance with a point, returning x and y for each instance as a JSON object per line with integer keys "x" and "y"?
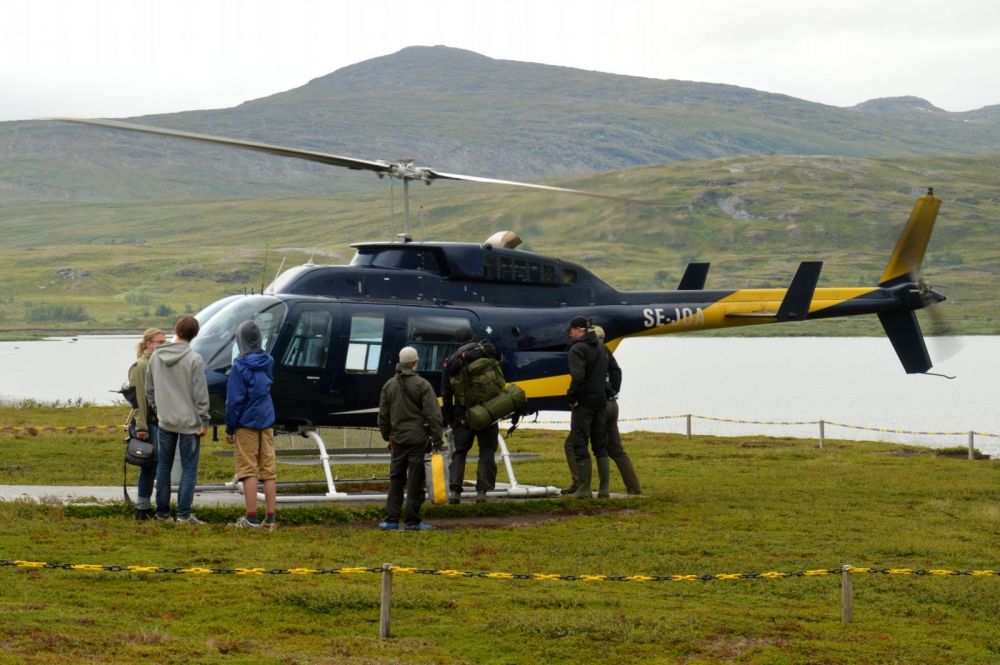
{"x": 463, "y": 112}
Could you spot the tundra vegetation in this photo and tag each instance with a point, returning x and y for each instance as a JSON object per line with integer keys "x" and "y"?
{"x": 64, "y": 268}
{"x": 713, "y": 505}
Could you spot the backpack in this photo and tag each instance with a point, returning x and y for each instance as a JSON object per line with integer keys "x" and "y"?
{"x": 476, "y": 375}
{"x": 128, "y": 390}
{"x": 466, "y": 354}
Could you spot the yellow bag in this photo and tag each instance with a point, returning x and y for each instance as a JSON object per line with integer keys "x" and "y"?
{"x": 436, "y": 468}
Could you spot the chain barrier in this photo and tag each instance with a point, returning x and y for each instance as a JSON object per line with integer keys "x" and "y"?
{"x": 741, "y": 421}
{"x": 38, "y": 429}
{"x": 452, "y": 573}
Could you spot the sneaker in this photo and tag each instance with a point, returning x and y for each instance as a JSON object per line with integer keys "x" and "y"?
{"x": 244, "y": 523}
{"x": 568, "y": 490}
{"x": 143, "y": 514}
{"x": 419, "y": 526}
{"x": 480, "y": 497}
{"x": 163, "y": 518}
{"x": 388, "y": 525}
{"x": 190, "y": 519}
{"x": 269, "y": 526}
{"x": 454, "y": 498}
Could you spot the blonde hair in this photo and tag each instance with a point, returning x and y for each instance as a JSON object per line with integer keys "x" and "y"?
{"x": 147, "y": 337}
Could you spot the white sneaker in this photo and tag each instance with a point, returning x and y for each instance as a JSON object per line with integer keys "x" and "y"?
{"x": 190, "y": 519}
{"x": 244, "y": 523}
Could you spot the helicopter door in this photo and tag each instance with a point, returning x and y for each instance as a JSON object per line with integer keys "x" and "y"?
{"x": 304, "y": 390}
{"x": 367, "y": 364}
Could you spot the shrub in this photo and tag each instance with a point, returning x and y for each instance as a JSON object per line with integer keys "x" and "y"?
{"x": 56, "y": 313}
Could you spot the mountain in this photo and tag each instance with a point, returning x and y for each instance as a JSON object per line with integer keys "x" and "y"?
{"x": 462, "y": 112}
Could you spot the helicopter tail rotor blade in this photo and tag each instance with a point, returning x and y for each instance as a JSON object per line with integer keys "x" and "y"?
{"x": 493, "y": 181}
{"x": 309, "y": 155}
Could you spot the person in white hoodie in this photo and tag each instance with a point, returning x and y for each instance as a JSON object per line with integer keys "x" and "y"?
{"x": 176, "y": 386}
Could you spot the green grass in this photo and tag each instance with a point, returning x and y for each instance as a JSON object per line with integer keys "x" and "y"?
{"x": 754, "y": 218}
{"x": 714, "y": 505}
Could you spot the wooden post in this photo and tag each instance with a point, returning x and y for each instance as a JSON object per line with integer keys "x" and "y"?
{"x": 972, "y": 445}
{"x": 822, "y": 433}
{"x": 689, "y": 425}
{"x": 384, "y": 618}
{"x": 846, "y": 594}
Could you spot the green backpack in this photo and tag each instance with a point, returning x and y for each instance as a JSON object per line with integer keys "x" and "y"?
{"x": 479, "y": 381}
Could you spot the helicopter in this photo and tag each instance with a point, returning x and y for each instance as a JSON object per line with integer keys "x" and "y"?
{"x": 335, "y": 330}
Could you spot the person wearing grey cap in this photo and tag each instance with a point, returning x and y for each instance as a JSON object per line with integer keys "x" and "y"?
{"x": 409, "y": 420}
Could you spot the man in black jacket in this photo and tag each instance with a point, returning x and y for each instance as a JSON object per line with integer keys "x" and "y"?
{"x": 588, "y": 370}
{"x": 406, "y": 404}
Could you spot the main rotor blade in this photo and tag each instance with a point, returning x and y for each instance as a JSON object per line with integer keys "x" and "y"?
{"x": 403, "y": 170}
{"x": 493, "y": 181}
{"x": 321, "y": 157}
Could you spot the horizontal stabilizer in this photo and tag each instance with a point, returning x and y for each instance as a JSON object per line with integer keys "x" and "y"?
{"x": 798, "y": 297}
{"x": 694, "y": 277}
{"x": 903, "y": 331}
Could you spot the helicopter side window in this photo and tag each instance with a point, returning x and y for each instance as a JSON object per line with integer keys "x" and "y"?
{"x": 568, "y": 276}
{"x": 406, "y": 259}
{"x": 365, "y": 345}
{"x": 434, "y": 338}
{"x": 308, "y": 347}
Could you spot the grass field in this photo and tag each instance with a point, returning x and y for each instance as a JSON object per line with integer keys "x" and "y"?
{"x": 713, "y": 505}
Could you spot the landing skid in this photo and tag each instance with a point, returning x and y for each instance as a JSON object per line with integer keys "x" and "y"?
{"x": 325, "y": 457}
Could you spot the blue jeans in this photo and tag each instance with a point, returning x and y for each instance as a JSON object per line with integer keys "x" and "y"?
{"x": 167, "y": 445}
{"x": 146, "y": 473}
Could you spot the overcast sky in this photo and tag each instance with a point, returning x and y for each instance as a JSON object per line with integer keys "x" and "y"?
{"x": 115, "y": 58}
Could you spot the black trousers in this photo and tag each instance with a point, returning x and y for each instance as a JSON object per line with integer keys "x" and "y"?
{"x": 486, "y": 470}
{"x": 587, "y": 424}
{"x": 406, "y": 470}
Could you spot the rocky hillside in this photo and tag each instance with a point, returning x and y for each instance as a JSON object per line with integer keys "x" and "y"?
{"x": 465, "y": 113}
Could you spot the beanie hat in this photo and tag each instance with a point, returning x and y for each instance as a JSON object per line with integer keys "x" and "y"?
{"x": 408, "y": 355}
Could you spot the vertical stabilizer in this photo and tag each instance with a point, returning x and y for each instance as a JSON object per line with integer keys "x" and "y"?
{"x": 912, "y": 244}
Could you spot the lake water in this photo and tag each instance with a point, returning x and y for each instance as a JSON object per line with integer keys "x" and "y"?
{"x": 855, "y": 381}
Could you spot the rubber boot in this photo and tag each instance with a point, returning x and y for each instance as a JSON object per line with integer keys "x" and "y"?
{"x": 604, "y": 477}
{"x": 625, "y": 468}
{"x": 586, "y": 471}
{"x": 571, "y": 463}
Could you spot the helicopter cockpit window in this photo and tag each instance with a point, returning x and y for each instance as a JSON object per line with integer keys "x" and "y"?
{"x": 365, "y": 345}
{"x": 311, "y": 341}
{"x": 434, "y": 338}
{"x": 216, "y": 342}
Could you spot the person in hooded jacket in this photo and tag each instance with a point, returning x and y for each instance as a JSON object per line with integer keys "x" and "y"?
{"x": 177, "y": 389}
{"x": 588, "y": 370}
{"x": 250, "y": 423}
{"x": 409, "y": 419}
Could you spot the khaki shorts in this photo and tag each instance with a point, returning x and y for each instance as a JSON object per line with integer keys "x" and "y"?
{"x": 254, "y": 454}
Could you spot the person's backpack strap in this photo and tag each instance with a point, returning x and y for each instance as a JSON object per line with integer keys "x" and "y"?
{"x": 409, "y": 394}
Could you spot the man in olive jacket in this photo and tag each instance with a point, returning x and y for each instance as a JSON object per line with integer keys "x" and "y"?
{"x": 406, "y": 404}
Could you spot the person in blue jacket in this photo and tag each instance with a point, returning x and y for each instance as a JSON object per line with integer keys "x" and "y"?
{"x": 250, "y": 422}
